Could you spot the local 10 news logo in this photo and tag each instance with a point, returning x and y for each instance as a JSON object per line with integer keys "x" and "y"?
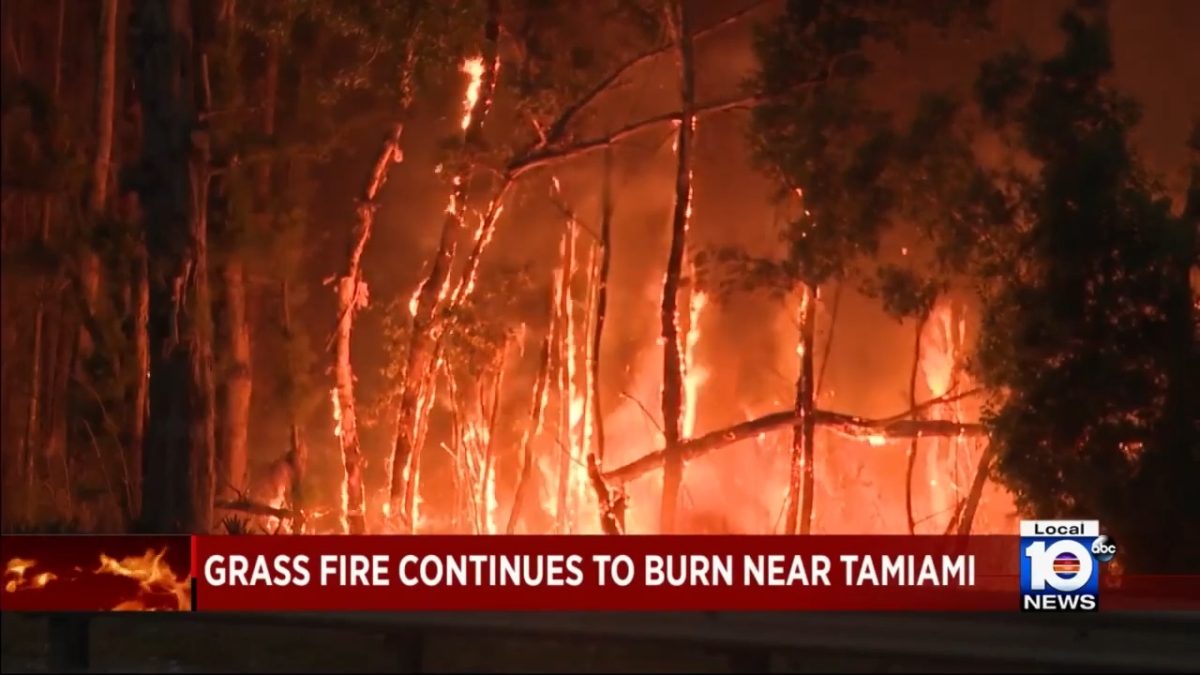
{"x": 1060, "y": 564}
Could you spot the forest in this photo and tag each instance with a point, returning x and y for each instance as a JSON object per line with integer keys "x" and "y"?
{"x": 605, "y": 267}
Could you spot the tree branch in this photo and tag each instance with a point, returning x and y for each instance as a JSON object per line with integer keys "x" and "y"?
{"x": 252, "y": 507}
{"x": 847, "y": 425}
{"x": 558, "y": 128}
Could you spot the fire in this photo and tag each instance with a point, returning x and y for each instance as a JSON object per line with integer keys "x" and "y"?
{"x": 694, "y": 375}
{"x": 154, "y": 577}
{"x": 15, "y": 579}
{"x": 415, "y": 301}
{"x": 473, "y": 68}
{"x": 876, "y": 440}
{"x": 337, "y": 412}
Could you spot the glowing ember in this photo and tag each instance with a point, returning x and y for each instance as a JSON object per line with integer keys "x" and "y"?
{"x": 15, "y": 579}
{"x": 473, "y": 68}
{"x": 876, "y": 440}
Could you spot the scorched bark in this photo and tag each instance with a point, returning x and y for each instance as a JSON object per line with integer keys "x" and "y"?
{"x": 672, "y": 393}
{"x": 177, "y": 490}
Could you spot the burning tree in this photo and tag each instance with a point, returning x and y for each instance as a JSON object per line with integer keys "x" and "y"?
{"x": 845, "y": 174}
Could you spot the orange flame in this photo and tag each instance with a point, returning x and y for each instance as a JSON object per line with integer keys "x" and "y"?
{"x": 474, "y": 69}
{"x": 14, "y": 574}
{"x": 154, "y": 577}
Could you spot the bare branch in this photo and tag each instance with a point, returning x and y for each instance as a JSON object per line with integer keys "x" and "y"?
{"x": 847, "y": 425}
{"x": 559, "y": 127}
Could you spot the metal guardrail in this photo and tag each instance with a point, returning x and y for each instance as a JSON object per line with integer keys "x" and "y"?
{"x": 1164, "y": 642}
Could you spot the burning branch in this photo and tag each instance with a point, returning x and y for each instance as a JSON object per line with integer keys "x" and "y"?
{"x": 889, "y": 428}
{"x": 254, "y": 508}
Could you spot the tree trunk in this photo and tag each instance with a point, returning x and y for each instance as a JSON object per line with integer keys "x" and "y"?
{"x": 106, "y": 88}
{"x": 800, "y": 475}
{"x": 672, "y": 393}
{"x": 298, "y": 448}
{"x": 352, "y": 295}
{"x": 232, "y": 339}
{"x": 566, "y": 384}
{"x": 537, "y": 416}
{"x": 178, "y": 481}
{"x": 237, "y": 385}
{"x": 606, "y": 214}
{"x": 429, "y": 300}
{"x": 976, "y": 493}
{"x": 106, "y": 92}
{"x": 914, "y": 444}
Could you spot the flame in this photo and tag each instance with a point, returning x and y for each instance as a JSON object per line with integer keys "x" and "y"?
{"x": 15, "y": 579}
{"x": 694, "y": 375}
{"x": 337, "y": 412}
{"x": 154, "y": 577}
{"x": 414, "y": 303}
{"x": 473, "y": 68}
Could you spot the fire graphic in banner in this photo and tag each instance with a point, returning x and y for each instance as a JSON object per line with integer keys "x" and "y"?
{"x": 66, "y": 573}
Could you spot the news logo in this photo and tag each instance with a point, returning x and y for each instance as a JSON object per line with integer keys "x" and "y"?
{"x": 1060, "y": 564}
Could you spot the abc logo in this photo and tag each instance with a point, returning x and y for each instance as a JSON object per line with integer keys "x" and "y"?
{"x": 1104, "y": 548}
{"x": 1065, "y": 565}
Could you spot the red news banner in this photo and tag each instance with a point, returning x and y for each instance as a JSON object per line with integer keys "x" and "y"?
{"x": 340, "y": 573}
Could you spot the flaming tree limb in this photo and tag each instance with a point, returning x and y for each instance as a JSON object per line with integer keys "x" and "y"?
{"x": 848, "y": 425}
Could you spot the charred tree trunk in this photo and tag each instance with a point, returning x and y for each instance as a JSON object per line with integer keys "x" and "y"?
{"x": 106, "y": 88}
{"x": 106, "y": 93}
{"x": 298, "y": 448}
{"x": 914, "y": 444}
{"x": 672, "y": 394}
{"x": 976, "y": 494}
{"x": 232, "y": 338}
{"x": 606, "y": 215}
{"x": 178, "y": 482}
{"x": 351, "y": 295}
{"x": 427, "y": 321}
{"x": 800, "y": 476}
{"x": 141, "y": 385}
{"x": 612, "y": 507}
{"x": 537, "y": 416}
{"x": 236, "y": 387}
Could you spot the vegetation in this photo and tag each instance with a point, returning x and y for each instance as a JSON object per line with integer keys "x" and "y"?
{"x": 244, "y": 290}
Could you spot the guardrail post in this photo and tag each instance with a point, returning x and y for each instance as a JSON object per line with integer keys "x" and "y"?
{"x": 69, "y": 648}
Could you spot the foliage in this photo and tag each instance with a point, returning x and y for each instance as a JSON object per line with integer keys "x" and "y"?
{"x": 1088, "y": 329}
{"x": 844, "y": 169}
{"x": 479, "y": 329}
